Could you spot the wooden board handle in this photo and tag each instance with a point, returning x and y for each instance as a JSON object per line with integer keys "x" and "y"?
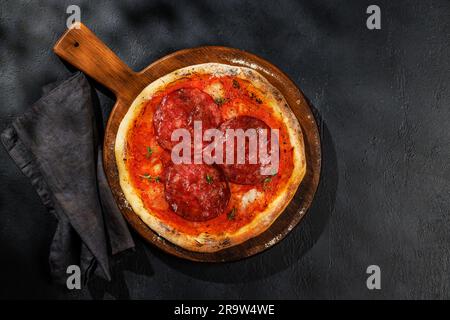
{"x": 81, "y": 48}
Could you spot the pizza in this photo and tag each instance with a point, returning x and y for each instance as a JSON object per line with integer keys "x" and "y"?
{"x": 213, "y": 191}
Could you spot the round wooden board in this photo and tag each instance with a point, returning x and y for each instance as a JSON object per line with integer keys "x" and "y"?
{"x": 78, "y": 46}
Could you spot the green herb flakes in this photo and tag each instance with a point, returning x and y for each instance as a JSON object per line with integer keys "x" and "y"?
{"x": 232, "y": 214}
{"x": 149, "y": 152}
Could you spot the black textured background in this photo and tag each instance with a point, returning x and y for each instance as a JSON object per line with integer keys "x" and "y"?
{"x": 382, "y": 101}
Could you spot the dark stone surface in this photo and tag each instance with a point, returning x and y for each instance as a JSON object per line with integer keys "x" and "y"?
{"x": 381, "y": 98}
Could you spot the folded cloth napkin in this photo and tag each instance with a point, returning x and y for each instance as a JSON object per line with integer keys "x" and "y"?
{"x": 56, "y": 145}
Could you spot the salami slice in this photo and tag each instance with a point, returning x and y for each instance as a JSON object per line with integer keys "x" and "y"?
{"x": 196, "y": 192}
{"x": 245, "y": 173}
{"x": 179, "y": 109}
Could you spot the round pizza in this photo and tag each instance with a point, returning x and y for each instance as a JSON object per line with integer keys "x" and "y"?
{"x": 209, "y": 156}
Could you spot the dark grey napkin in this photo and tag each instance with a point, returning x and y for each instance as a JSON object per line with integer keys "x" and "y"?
{"x": 55, "y": 144}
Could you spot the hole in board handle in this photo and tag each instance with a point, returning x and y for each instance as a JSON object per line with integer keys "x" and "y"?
{"x": 76, "y": 44}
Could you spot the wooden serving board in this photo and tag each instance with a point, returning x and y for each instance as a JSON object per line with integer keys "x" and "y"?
{"x": 81, "y": 48}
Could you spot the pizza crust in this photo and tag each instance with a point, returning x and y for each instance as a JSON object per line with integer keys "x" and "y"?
{"x": 206, "y": 242}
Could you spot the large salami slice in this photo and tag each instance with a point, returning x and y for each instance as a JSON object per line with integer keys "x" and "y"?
{"x": 245, "y": 173}
{"x": 179, "y": 109}
{"x": 196, "y": 192}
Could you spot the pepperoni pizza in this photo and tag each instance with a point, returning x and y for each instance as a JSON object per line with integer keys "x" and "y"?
{"x": 204, "y": 206}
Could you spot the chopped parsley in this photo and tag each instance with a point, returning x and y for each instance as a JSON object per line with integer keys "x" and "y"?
{"x": 150, "y": 178}
{"x": 209, "y": 179}
{"x": 267, "y": 180}
{"x": 220, "y": 101}
{"x": 231, "y": 214}
{"x": 149, "y": 152}
{"x": 146, "y": 176}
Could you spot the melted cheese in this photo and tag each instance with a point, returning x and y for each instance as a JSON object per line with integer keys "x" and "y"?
{"x": 215, "y": 90}
{"x": 249, "y": 197}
